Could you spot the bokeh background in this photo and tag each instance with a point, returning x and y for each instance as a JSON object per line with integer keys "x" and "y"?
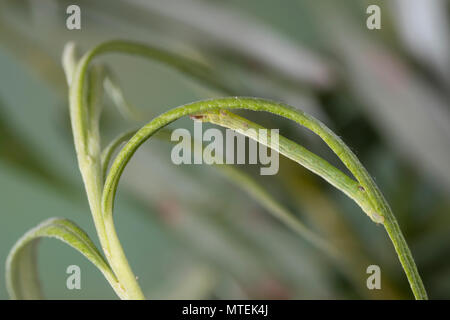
{"x": 189, "y": 233}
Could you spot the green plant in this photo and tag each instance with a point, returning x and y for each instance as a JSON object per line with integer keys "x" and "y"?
{"x": 85, "y": 98}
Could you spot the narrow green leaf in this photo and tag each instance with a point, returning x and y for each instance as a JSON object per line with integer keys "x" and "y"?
{"x": 69, "y": 61}
{"x": 246, "y": 183}
{"x": 109, "y": 150}
{"x": 21, "y": 268}
{"x": 114, "y": 91}
{"x": 364, "y": 192}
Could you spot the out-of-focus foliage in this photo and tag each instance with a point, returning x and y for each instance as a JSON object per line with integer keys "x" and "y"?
{"x": 187, "y": 232}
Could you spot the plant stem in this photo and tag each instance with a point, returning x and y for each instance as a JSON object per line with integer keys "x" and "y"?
{"x": 85, "y": 113}
{"x": 248, "y": 184}
{"x": 364, "y": 193}
{"x": 288, "y": 148}
{"x": 404, "y": 255}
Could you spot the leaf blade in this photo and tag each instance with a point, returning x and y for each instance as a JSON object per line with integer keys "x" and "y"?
{"x": 21, "y": 269}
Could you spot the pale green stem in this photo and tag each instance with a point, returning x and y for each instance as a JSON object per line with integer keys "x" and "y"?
{"x": 112, "y": 147}
{"x": 248, "y": 184}
{"x": 85, "y": 113}
{"x": 89, "y": 163}
{"x": 365, "y": 194}
{"x": 292, "y": 151}
{"x": 378, "y": 210}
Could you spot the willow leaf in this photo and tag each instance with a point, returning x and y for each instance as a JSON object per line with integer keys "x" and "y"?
{"x": 362, "y": 190}
{"x": 247, "y": 184}
{"x": 22, "y": 279}
{"x": 114, "y": 91}
{"x": 365, "y": 192}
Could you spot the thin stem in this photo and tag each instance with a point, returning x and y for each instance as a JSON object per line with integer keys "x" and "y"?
{"x": 88, "y": 151}
{"x": 404, "y": 255}
{"x": 109, "y": 150}
{"x": 85, "y": 113}
{"x": 289, "y": 149}
{"x": 365, "y": 194}
{"x": 311, "y": 161}
{"x": 248, "y": 184}
{"x": 293, "y": 151}
{"x": 86, "y": 143}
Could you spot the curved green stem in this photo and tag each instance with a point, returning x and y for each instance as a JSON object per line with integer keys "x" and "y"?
{"x": 109, "y": 150}
{"x": 22, "y": 279}
{"x": 364, "y": 193}
{"x": 85, "y": 112}
{"x": 385, "y": 215}
{"x": 248, "y": 184}
{"x": 185, "y": 65}
{"x": 84, "y": 118}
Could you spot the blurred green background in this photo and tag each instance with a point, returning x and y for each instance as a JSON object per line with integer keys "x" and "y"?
{"x": 187, "y": 232}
